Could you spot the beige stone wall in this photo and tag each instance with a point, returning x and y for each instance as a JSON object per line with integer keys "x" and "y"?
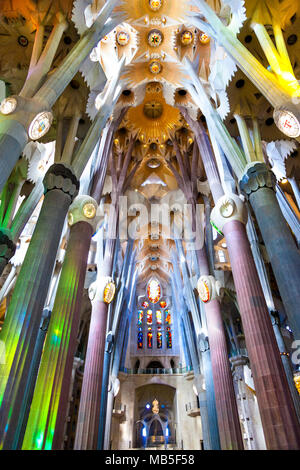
{"x": 188, "y": 429}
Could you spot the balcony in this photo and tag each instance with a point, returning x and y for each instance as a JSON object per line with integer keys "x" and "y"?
{"x": 192, "y": 409}
{"x": 119, "y": 410}
{"x": 178, "y": 370}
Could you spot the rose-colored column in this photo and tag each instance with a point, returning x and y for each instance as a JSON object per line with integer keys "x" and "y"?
{"x": 227, "y": 412}
{"x": 277, "y": 411}
{"x": 228, "y": 418}
{"x": 89, "y": 410}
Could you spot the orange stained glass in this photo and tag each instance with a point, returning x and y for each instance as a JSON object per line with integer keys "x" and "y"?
{"x": 154, "y": 291}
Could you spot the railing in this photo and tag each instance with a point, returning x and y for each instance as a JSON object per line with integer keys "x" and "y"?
{"x": 178, "y": 370}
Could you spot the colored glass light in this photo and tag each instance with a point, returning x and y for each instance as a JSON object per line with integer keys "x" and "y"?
{"x": 159, "y": 339}
{"x": 140, "y": 317}
{"x": 158, "y": 317}
{"x": 169, "y": 338}
{"x": 145, "y": 304}
{"x": 163, "y": 304}
{"x": 168, "y": 317}
{"x": 149, "y": 317}
{"x": 154, "y": 291}
{"x": 149, "y": 338}
{"x": 140, "y": 338}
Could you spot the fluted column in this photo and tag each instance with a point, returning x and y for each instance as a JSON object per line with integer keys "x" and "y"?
{"x": 49, "y": 406}
{"x": 24, "y": 314}
{"x": 276, "y": 407}
{"x": 258, "y": 184}
{"x": 228, "y": 418}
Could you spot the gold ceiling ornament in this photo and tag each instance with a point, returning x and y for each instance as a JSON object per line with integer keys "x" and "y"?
{"x": 186, "y": 37}
{"x": 184, "y": 41}
{"x": 154, "y": 119}
{"x": 155, "y": 67}
{"x": 123, "y": 38}
{"x": 204, "y": 39}
{"x": 155, "y": 38}
{"x": 138, "y": 9}
{"x": 155, "y": 5}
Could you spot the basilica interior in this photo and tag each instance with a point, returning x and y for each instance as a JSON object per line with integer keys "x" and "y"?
{"x": 149, "y": 225}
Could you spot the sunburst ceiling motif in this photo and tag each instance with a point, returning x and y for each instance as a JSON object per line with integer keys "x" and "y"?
{"x": 154, "y": 119}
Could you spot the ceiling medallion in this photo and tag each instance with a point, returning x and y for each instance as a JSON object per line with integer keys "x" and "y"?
{"x": 287, "y": 122}
{"x": 153, "y": 163}
{"x": 153, "y": 109}
{"x": 155, "y": 5}
{"x": 155, "y": 38}
{"x": 186, "y": 38}
{"x": 204, "y": 38}
{"x": 155, "y": 67}
{"x": 123, "y": 38}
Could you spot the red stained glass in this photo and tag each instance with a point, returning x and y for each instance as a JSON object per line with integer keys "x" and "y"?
{"x": 145, "y": 304}
{"x": 163, "y": 304}
{"x": 149, "y": 317}
{"x": 149, "y": 339}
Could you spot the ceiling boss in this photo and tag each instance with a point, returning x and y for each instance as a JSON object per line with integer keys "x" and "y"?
{"x": 155, "y": 5}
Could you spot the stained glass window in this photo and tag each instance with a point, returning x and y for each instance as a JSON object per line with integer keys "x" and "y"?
{"x": 149, "y": 317}
{"x": 140, "y": 317}
{"x": 149, "y": 338}
{"x": 169, "y": 338}
{"x": 140, "y": 338}
{"x": 154, "y": 291}
{"x": 145, "y": 304}
{"x": 168, "y": 317}
{"x": 163, "y": 304}
{"x": 158, "y": 317}
{"x": 159, "y": 338}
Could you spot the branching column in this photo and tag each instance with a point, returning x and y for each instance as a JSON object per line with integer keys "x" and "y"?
{"x": 258, "y": 184}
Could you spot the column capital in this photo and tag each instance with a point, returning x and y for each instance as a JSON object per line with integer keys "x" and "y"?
{"x": 83, "y": 209}
{"x": 209, "y": 289}
{"x": 61, "y": 176}
{"x": 257, "y": 175}
{"x": 7, "y": 246}
{"x": 228, "y": 208}
{"x": 102, "y": 290}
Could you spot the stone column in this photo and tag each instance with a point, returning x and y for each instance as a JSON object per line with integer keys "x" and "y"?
{"x": 24, "y": 314}
{"x": 89, "y": 410}
{"x": 258, "y": 184}
{"x": 228, "y": 418}
{"x": 47, "y": 417}
{"x": 276, "y": 407}
{"x": 7, "y": 248}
